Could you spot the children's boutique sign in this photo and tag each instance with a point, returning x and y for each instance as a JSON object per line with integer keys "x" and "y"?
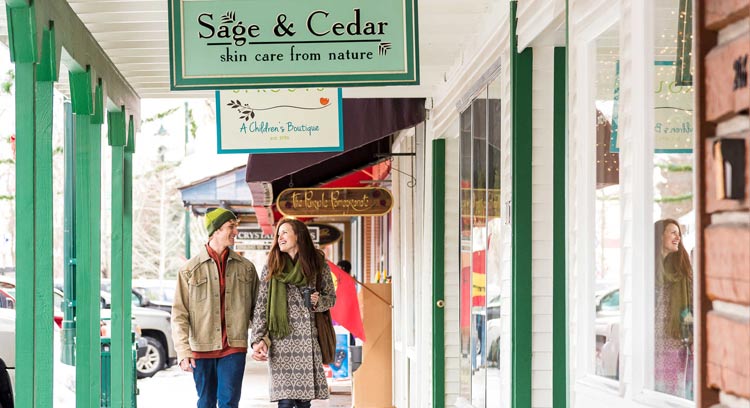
{"x": 279, "y": 120}
{"x": 673, "y": 111}
{"x": 229, "y": 44}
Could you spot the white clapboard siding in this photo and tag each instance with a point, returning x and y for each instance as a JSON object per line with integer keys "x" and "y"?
{"x": 537, "y": 18}
{"x": 542, "y": 223}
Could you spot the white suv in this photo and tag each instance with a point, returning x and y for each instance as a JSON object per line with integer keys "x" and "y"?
{"x": 156, "y": 329}
{"x": 7, "y": 355}
{"x": 64, "y": 375}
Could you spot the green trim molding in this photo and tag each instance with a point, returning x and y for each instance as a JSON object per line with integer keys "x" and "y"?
{"x": 438, "y": 273}
{"x": 521, "y": 65}
{"x": 559, "y": 280}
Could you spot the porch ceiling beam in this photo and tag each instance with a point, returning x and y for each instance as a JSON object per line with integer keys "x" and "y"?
{"x": 81, "y": 50}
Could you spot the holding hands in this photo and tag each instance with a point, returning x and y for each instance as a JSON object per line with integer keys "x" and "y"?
{"x": 260, "y": 351}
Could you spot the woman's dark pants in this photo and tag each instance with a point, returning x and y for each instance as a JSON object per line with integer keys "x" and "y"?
{"x": 290, "y": 403}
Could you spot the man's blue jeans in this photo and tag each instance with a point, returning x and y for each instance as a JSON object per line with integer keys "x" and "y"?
{"x": 219, "y": 380}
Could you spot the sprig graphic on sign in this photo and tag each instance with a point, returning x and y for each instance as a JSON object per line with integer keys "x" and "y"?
{"x": 383, "y": 48}
{"x": 228, "y": 17}
{"x": 247, "y": 112}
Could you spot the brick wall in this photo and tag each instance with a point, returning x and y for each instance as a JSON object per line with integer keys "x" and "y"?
{"x": 724, "y": 39}
{"x": 728, "y": 366}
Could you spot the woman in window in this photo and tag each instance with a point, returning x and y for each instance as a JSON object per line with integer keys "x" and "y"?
{"x": 674, "y": 319}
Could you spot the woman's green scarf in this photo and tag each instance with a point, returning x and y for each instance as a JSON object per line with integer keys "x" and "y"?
{"x": 677, "y": 289}
{"x": 276, "y": 311}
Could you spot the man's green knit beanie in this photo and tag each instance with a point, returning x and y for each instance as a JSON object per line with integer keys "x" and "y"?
{"x": 216, "y": 218}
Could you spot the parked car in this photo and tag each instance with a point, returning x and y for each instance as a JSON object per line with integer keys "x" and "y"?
{"x": 139, "y": 299}
{"x": 607, "y": 329}
{"x": 155, "y": 293}
{"x": 64, "y": 376}
{"x": 157, "y": 330}
{"x": 7, "y": 293}
{"x": 7, "y": 355}
{"x": 7, "y": 301}
{"x": 494, "y": 329}
{"x": 146, "y": 294}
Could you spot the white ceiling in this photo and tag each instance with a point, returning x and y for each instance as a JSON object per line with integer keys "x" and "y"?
{"x": 134, "y": 35}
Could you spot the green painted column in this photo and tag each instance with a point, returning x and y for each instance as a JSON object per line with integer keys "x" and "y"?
{"x": 43, "y": 224}
{"x": 88, "y": 360}
{"x": 559, "y": 277}
{"x": 33, "y": 208}
{"x": 25, "y": 203}
{"x": 521, "y": 65}
{"x": 94, "y": 230}
{"x": 127, "y": 240}
{"x": 121, "y": 344}
{"x": 438, "y": 273}
{"x": 67, "y": 337}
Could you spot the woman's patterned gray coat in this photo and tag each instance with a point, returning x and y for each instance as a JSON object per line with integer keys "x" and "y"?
{"x": 295, "y": 360}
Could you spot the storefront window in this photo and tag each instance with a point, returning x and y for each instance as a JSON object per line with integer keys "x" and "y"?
{"x": 465, "y": 260}
{"x": 494, "y": 249}
{"x": 480, "y": 248}
{"x": 674, "y": 217}
{"x": 607, "y": 207}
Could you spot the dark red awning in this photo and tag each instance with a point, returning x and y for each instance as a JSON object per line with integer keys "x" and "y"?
{"x": 368, "y": 125}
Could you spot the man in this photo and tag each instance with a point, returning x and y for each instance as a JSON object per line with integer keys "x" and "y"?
{"x": 213, "y": 304}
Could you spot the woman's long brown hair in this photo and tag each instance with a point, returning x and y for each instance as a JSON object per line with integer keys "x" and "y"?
{"x": 311, "y": 258}
{"x": 676, "y": 264}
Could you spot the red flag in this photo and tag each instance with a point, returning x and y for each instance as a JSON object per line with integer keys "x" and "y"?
{"x": 346, "y": 310}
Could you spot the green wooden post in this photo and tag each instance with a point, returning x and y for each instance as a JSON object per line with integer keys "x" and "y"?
{"x": 559, "y": 281}
{"x": 127, "y": 240}
{"x": 43, "y": 222}
{"x": 67, "y": 337}
{"x": 88, "y": 360}
{"x": 120, "y": 327}
{"x": 521, "y": 65}
{"x": 438, "y": 273}
{"x": 33, "y": 208}
{"x": 94, "y": 227}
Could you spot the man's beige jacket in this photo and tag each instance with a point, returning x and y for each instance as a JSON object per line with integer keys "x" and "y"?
{"x": 196, "y": 314}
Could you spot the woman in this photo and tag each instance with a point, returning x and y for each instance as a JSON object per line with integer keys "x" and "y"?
{"x": 293, "y": 267}
{"x": 673, "y": 325}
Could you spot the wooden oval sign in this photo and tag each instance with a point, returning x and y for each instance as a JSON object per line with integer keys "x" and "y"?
{"x": 334, "y": 202}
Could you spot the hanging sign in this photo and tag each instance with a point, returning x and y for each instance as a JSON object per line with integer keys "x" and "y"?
{"x": 328, "y": 233}
{"x": 279, "y": 120}
{"x": 229, "y": 44}
{"x": 333, "y": 202}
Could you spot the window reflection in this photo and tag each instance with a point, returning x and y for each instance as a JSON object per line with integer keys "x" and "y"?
{"x": 480, "y": 278}
{"x": 494, "y": 249}
{"x": 607, "y": 207}
{"x": 673, "y": 199}
{"x": 465, "y": 261}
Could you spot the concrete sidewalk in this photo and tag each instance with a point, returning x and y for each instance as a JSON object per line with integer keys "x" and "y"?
{"x": 173, "y": 387}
